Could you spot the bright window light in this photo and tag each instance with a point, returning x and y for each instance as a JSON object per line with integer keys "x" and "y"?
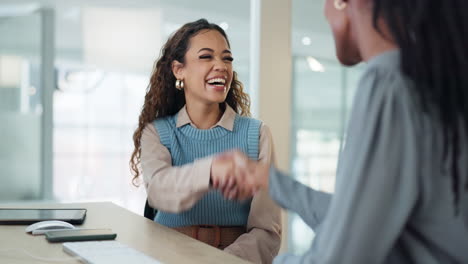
{"x": 224, "y": 25}
{"x": 315, "y": 65}
{"x": 306, "y": 41}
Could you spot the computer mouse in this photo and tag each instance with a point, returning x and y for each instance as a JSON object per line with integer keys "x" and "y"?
{"x": 51, "y": 224}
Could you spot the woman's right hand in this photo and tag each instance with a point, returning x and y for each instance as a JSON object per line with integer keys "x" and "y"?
{"x": 228, "y": 174}
{"x": 222, "y": 169}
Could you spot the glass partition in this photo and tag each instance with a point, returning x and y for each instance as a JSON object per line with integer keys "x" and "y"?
{"x": 20, "y": 104}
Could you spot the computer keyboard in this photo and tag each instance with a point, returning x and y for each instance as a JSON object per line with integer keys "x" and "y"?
{"x": 106, "y": 252}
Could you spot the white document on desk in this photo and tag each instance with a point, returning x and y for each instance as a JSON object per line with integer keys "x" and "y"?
{"x": 106, "y": 252}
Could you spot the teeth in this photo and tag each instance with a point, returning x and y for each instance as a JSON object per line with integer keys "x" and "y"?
{"x": 217, "y": 80}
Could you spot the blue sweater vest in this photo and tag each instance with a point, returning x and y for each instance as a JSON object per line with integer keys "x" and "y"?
{"x": 186, "y": 144}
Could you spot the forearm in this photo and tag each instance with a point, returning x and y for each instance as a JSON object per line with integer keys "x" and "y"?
{"x": 257, "y": 246}
{"x": 263, "y": 239}
{"x": 311, "y": 205}
{"x": 176, "y": 189}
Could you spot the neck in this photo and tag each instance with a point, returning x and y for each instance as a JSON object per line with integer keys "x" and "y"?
{"x": 203, "y": 116}
{"x": 372, "y": 42}
{"x": 376, "y": 48}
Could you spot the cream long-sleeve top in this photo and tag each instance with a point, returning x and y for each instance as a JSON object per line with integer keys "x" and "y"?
{"x": 177, "y": 188}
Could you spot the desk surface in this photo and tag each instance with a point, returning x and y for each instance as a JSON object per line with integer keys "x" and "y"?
{"x": 160, "y": 242}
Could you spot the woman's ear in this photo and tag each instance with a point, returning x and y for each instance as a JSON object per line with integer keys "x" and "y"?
{"x": 178, "y": 69}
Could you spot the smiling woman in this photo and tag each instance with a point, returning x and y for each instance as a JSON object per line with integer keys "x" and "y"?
{"x": 195, "y": 108}
{"x": 207, "y": 72}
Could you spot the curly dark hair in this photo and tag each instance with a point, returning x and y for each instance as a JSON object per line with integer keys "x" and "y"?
{"x": 163, "y": 99}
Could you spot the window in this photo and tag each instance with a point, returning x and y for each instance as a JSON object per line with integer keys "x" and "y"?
{"x": 323, "y": 92}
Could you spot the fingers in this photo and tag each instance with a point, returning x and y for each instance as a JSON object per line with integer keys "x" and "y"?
{"x": 240, "y": 190}
{"x": 230, "y": 182}
{"x": 221, "y": 167}
{"x": 232, "y": 194}
{"x": 235, "y": 175}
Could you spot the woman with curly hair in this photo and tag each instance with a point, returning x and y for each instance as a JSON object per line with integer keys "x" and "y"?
{"x": 195, "y": 108}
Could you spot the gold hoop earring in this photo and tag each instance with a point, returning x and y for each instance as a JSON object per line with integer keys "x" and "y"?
{"x": 340, "y": 5}
{"x": 179, "y": 84}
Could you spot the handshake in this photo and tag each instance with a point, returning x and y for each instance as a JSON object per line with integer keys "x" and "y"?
{"x": 237, "y": 177}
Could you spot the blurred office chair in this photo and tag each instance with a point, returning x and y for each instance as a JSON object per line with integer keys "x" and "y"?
{"x": 149, "y": 212}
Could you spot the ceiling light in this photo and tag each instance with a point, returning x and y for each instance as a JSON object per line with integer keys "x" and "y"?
{"x": 315, "y": 65}
{"x": 306, "y": 41}
{"x": 224, "y": 25}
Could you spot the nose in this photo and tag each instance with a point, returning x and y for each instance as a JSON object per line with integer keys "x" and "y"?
{"x": 220, "y": 65}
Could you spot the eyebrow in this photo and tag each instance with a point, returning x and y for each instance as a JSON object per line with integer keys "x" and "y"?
{"x": 211, "y": 50}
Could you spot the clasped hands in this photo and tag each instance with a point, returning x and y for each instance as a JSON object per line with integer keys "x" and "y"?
{"x": 237, "y": 177}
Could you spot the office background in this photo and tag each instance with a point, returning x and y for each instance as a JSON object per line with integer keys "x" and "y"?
{"x": 73, "y": 76}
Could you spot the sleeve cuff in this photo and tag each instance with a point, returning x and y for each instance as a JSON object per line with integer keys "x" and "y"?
{"x": 274, "y": 186}
{"x": 235, "y": 250}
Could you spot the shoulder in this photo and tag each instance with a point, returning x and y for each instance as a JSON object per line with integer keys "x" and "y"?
{"x": 164, "y": 122}
{"x": 149, "y": 129}
{"x": 149, "y": 133}
{"x": 166, "y": 119}
{"x": 163, "y": 127}
{"x": 157, "y": 126}
{"x": 385, "y": 99}
{"x": 265, "y": 130}
{"x": 383, "y": 76}
{"x": 249, "y": 124}
{"x": 385, "y": 86}
{"x": 248, "y": 120}
{"x": 257, "y": 124}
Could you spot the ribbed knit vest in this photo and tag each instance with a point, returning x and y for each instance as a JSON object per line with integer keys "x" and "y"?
{"x": 186, "y": 144}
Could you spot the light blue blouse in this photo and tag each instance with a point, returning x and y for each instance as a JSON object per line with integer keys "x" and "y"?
{"x": 393, "y": 200}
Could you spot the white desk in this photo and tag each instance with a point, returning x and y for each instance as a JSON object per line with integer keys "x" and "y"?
{"x": 159, "y": 242}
